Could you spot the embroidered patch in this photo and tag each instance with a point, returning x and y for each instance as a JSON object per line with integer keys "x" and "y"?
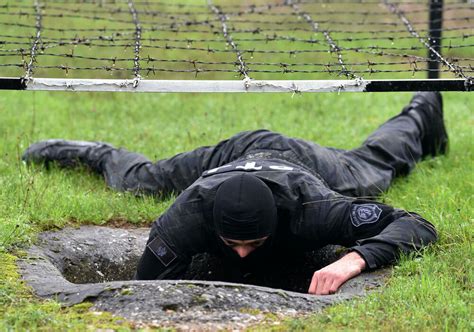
{"x": 162, "y": 251}
{"x": 364, "y": 214}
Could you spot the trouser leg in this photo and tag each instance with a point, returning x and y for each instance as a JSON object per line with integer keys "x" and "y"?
{"x": 367, "y": 171}
{"x": 129, "y": 171}
{"x": 124, "y": 170}
{"x": 396, "y": 146}
{"x": 392, "y": 150}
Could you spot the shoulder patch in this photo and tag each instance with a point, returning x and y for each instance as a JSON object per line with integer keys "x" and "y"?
{"x": 162, "y": 251}
{"x": 364, "y": 214}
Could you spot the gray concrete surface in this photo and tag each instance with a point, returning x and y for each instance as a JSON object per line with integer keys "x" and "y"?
{"x": 96, "y": 264}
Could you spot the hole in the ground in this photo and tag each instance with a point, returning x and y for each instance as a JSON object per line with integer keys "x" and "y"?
{"x": 100, "y": 254}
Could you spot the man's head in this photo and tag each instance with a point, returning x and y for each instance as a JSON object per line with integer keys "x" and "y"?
{"x": 245, "y": 213}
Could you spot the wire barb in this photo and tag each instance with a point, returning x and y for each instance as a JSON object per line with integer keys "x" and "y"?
{"x": 138, "y": 36}
{"x": 396, "y": 11}
{"x": 332, "y": 45}
{"x": 34, "y": 46}
{"x": 297, "y": 39}
{"x": 223, "y": 18}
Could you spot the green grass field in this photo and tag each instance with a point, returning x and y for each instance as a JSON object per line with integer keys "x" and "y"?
{"x": 432, "y": 292}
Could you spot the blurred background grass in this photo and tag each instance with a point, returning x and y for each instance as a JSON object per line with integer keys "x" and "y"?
{"x": 103, "y": 34}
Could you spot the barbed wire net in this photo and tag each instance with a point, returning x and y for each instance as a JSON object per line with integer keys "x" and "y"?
{"x": 231, "y": 40}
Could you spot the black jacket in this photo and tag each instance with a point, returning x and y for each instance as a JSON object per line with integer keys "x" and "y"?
{"x": 310, "y": 216}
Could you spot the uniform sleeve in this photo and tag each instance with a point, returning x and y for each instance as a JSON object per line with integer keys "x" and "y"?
{"x": 378, "y": 232}
{"x": 175, "y": 237}
{"x": 161, "y": 259}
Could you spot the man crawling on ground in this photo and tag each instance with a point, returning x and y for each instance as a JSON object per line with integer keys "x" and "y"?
{"x": 260, "y": 197}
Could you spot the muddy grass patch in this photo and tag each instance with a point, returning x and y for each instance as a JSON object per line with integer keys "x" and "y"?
{"x": 98, "y": 264}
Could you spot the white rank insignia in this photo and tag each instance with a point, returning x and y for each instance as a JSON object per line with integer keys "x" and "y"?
{"x": 249, "y": 166}
{"x": 364, "y": 214}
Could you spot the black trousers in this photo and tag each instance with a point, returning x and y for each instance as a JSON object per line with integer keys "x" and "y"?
{"x": 392, "y": 150}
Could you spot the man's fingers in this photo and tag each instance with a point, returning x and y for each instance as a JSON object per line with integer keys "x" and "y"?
{"x": 313, "y": 285}
{"x": 330, "y": 278}
{"x": 317, "y": 284}
{"x": 334, "y": 286}
{"x": 324, "y": 283}
{"x": 330, "y": 285}
{"x": 320, "y": 284}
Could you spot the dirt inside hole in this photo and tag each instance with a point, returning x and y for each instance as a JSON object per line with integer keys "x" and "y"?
{"x": 102, "y": 254}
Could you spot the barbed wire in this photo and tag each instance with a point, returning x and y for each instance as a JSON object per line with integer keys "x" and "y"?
{"x": 395, "y": 10}
{"x": 375, "y": 50}
{"x": 410, "y": 62}
{"x": 176, "y": 28}
{"x": 367, "y": 13}
{"x": 223, "y": 18}
{"x": 272, "y": 5}
{"x": 34, "y": 46}
{"x": 138, "y": 33}
{"x": 250, "y": 10}
{"x": 76, "y": 40}
{"x": 196, "y": 71}
{"x": 333, "y": 47}
{"x": 241, "y": 51}
{"x": 284, "y": 37}
{"x": 209, "y": 21}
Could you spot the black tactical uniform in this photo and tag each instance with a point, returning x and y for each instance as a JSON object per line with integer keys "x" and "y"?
{"x": 322, "y": 195}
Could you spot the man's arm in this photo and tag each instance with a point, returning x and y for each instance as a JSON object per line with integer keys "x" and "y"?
{"x": 160, "y": 261}
{"x": 375, "y": 233}
{"x": 174, "y": 238}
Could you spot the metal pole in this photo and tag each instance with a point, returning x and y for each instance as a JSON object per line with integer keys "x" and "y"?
{"x": 436, "y": 25}
{"x": 296, "y": 86}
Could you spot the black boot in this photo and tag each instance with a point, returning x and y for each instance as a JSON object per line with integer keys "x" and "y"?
{"x": 427, "y": 110}
{"x": 67, "y": 153}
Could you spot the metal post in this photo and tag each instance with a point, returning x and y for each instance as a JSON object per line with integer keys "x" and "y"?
{"x": 436, "y": 25}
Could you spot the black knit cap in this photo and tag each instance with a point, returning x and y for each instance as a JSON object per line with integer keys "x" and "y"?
{"x": 244, "y": 208}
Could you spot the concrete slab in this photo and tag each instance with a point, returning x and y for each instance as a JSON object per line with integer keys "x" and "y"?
{"x": 96, "y": 264}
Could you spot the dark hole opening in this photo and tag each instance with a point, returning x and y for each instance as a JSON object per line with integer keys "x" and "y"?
{"x": 112, "y": 255}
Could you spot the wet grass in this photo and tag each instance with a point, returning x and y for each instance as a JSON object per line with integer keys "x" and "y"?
{"x": 429, "y": 293}
{"x": 368, "y": 57}
{"x": 433, "y": 292}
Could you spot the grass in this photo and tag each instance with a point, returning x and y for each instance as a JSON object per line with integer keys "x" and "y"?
{"x": 433, "y": 292}
{"x": 68, "y": 56}
{"x": 20, "y": 312}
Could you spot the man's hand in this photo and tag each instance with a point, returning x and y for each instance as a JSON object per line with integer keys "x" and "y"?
{"x": 331, "y": 277}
